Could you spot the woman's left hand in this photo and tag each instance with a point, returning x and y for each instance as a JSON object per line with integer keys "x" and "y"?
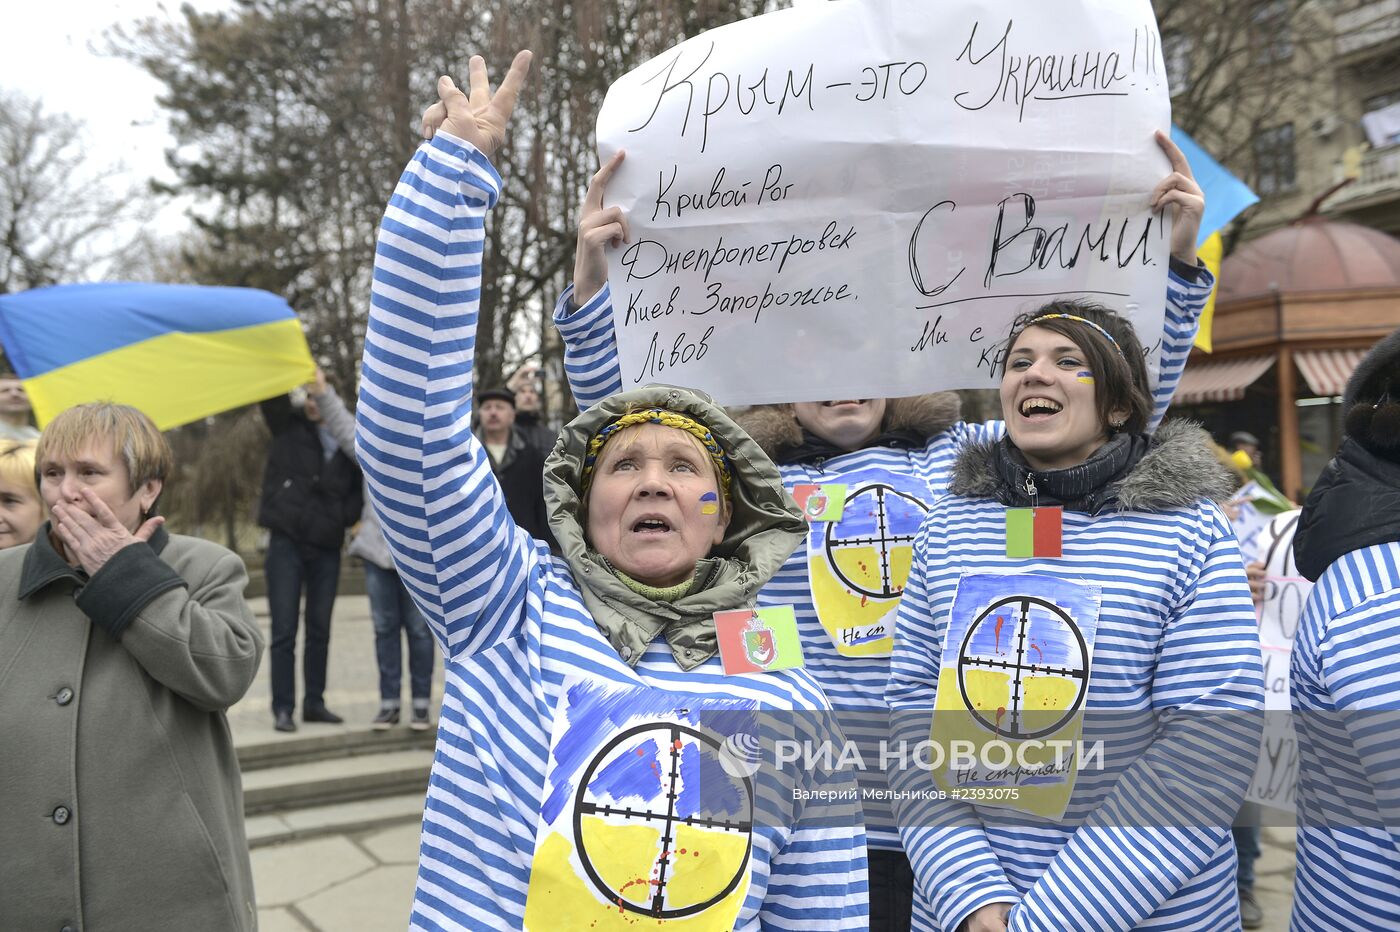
{"x": 1179, "y": 189}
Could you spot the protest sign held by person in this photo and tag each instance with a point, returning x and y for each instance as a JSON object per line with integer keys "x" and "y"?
{"x": 880, "y": 215}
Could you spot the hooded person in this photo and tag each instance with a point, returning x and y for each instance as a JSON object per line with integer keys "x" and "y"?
{"x": 1346, "y": 666}
{"x": 1078, "y": 583}
{"x": 575, "y": 784}
{"x": 885, "y": 456}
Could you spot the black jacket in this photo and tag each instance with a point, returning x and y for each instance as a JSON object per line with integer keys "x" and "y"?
{"x": 304, "y": 496}
{"x": 535, "y": 432}
{"x": 521, "y": 475}
{"x": 1355, "y": 504}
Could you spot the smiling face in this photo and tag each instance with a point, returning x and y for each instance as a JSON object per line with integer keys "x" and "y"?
{"x": 846, "y": 424}
{"x": 1048, "y": 401}
{"x": 97, "y": 466}
{"x": 647, "y": 504}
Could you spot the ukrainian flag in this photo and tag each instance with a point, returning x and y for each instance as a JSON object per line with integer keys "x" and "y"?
{"x": 177, "y": 352}
{"x": 1226, "y": 197}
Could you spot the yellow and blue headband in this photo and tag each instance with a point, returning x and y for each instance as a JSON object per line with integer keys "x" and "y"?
{"x": 1077, "y": 319}
{"x": 666, "y": 419}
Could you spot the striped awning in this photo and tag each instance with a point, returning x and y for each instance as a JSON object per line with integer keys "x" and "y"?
{"x": 1220, "y": 379}
{"x": 1327, "y": 371}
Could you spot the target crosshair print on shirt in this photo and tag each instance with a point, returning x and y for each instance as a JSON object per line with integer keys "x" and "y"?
{"x": 670, "y": 740}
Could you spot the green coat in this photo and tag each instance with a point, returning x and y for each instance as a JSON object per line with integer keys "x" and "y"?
{"x": 121, "y": 806}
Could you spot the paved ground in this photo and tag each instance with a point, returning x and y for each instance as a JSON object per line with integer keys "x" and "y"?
{"x": 363, "y": 881}
{"x": 352, "y": 679}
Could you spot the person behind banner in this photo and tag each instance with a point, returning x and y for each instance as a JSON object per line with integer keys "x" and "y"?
{"x": 1346, "y": 667}
{"x": 1124, "y": 592}
{"x": 666, "y": 514}
{"x": 887, "y": 454}
{"x": 123, "y": 646}
{"x": 21, "y": 508}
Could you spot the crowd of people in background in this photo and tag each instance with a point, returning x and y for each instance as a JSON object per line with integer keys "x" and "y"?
{"x": 553, "y": 566}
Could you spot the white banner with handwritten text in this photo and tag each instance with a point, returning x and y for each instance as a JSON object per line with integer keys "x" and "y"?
{"x": 853, "y": 199}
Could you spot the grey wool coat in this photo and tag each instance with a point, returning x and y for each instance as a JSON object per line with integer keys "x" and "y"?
{"x": 121, "y": 807}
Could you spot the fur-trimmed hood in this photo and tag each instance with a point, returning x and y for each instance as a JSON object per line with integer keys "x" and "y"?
{"x": 913, "y": 420}
{"x": 1174, "y": 468}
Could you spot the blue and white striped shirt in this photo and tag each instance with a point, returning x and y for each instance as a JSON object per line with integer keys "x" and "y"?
{"x": 1346, "y": 703}
{"x": 510, "y": 618}
{"x": 1145, "y": 843}
{"x": 856, "y": 684}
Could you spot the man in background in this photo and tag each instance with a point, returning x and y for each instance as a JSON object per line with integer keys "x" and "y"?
{"x": 16, "y": 414}
{"x": 311, "y": 493}
{"x": 530, "y": 420}
{"x": 518, "y": 465}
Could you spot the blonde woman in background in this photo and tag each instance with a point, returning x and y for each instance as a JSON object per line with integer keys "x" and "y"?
{"x": 21, "y": 509}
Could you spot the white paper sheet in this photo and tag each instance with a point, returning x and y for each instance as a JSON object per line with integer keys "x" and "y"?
{"x": 853, "y": 199}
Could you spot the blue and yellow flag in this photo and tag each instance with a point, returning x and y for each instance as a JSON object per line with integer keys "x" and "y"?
{"x": 1226, "y": 197}
{"x": 177, "y": 352}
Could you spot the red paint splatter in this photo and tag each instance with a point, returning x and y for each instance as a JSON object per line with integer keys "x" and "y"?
{"x": 676, "y": 744}
{"x": 1001, "y": 620}
{"x": 1001, "y": 710}
{"x": 863, "y": 600}
{"x": 1036, "y": 647}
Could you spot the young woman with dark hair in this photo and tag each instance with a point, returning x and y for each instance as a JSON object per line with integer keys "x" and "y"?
{"x": 1143, "y": 611}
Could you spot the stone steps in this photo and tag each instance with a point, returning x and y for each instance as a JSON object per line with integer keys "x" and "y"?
{"x": 335, "y": 780}
{"x": 313, "y": 743}
{"x": 311, "y": 784}
{"x": 274, "y": 828}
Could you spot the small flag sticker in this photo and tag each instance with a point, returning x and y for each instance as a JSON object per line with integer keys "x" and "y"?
{"x": 825, "y": 502}
{"x": 1033, "y": 532}
{"x": 762, "y": 640}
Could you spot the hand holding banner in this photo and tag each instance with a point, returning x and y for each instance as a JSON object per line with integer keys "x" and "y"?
{"x": 884, "y": 213}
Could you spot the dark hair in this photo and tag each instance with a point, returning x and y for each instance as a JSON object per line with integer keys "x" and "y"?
{"x": 1120, "y": 379}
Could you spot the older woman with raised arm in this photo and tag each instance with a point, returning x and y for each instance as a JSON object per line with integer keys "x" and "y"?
{"x": 550, "y": 806}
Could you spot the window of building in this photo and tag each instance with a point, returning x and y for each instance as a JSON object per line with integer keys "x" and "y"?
{"x": 1380, "y": 101}
{"x": 1176, "y": 51}
{"x": 1275, "y": 165}
{"x": 1270, "y": 33}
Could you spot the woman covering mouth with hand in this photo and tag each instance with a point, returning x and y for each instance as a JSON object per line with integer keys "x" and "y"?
{"x": 1080, "y": 570}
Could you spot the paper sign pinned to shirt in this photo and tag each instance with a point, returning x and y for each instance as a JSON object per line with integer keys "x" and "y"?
{"x": 886, "y": 208}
